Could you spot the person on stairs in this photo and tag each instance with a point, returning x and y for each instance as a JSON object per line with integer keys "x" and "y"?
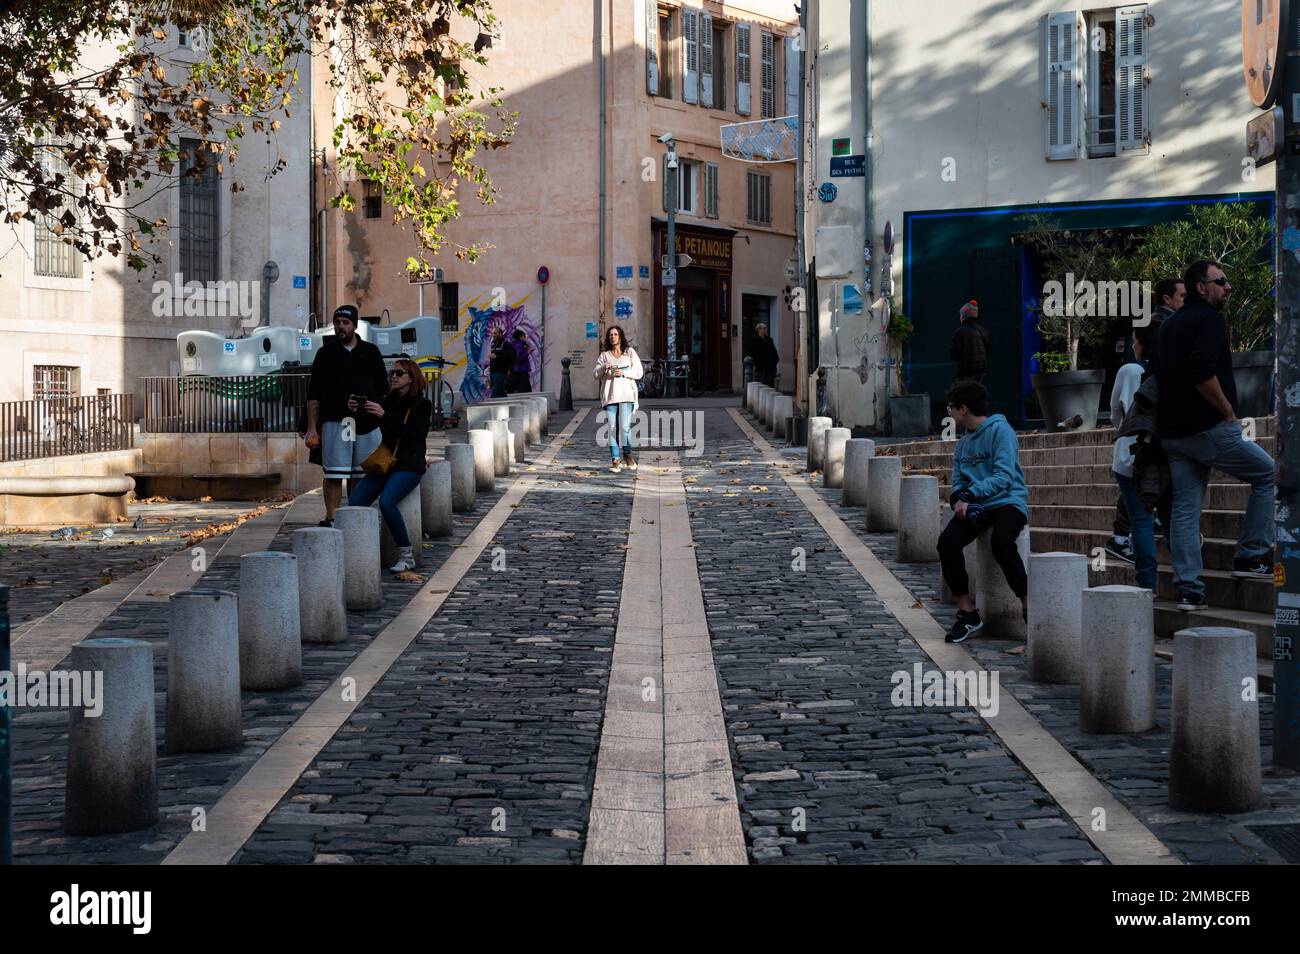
{"x": 404, "y": 416}
{"x": 988, "y": 493}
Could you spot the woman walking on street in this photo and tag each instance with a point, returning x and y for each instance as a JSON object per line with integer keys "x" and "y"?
{"x": 404, "y": 417}
{"x": 618, "y": 369}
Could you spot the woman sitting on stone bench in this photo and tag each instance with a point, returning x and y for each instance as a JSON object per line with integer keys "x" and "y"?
{"x": 404, "y": 416}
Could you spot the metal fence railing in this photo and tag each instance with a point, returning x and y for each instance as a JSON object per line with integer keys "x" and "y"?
{"x": 199, "y": 403}
{"x": 59, "y": 427}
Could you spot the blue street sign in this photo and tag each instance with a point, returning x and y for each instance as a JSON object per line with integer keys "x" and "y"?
{"x": 300, "y": 281}
{"x": 848, "y": 166}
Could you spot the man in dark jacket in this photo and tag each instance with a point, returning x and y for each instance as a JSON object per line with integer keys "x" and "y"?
{"x": 763, "y": 351}
{"x": 501, "y": 362}
{"x": 970, "y": 346}
{"x": 344, "y": 367}
{"x": 1196, "y": 416}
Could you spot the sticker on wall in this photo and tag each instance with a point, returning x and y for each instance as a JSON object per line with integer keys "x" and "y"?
{"x": 228, "y": 347}
{"x": 592, "y": 331}
{"x": 300, "y": 281}
{"x": 827, "y": 192}
{"x": 575, "y": 357}
{"x": 852, "y": 299}
{"x": 304, "y": 343}
{"x": 623, "y": 276}
{"x": 622, "y": 307}
{"x": 643, "y": 275}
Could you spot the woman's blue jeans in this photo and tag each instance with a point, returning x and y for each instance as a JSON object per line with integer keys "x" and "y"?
{"x": 1142, "y": 533}
{"x": 390, "y": 490}
{"x": 620, "y": 428}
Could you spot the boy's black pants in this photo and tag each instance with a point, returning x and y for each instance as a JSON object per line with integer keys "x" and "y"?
{"x": 1005, "y": 523}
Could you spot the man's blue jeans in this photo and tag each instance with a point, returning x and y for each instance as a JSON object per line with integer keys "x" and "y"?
{"x": 1142, "y": 533}
{"x": 620, "y": 428}
{"x": 1190, "y": 459}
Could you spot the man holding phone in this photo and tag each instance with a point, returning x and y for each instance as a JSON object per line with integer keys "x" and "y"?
{"x": 346, "y": 374}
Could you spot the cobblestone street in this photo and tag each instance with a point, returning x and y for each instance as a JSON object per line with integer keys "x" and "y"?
{"x": 499, "y": 685}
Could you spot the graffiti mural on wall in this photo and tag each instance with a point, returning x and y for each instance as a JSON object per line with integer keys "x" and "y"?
{"x": 468, "y": 350}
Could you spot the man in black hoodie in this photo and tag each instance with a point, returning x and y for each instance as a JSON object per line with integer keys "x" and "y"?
{"x": 1196, "y": 416}
{"x": 970, "y": 345}
{"x": 345, "y": 366}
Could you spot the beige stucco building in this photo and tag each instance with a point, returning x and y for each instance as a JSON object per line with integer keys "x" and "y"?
{"x": 77, "y": 327}
{"x": 978, "y": 114}
{"x": 580, "y": 75}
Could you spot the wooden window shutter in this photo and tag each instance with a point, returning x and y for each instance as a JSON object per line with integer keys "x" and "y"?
{"x": 711, "y": 190}
{"x": 706, "y": 60}
{"x": 652, "y": 47}
{"x": 768, "y": 77}
{"x": 742, "y": 69}
{"x": 1130, "y": 77}
{"x": 690, "y": 56}
{"x": 1061, "y": 55}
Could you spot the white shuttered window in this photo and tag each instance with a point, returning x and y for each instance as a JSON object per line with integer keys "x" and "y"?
{"x": 1130, "y": 77}
{"x": 793, "y": 76}
{"x": 706, "y": 60}
{"x": 742, "y": 69}
{"x": 690, "y": 56}
{"x": 1061, "y": 38}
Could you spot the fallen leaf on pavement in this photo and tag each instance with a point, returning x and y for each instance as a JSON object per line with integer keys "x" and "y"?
{"x": 406, "y": 576}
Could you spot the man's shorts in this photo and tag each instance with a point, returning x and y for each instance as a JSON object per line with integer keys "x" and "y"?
{"x": 341, "y": 459}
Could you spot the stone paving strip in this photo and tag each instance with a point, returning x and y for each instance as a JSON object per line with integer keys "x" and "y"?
{"x": 664, "y": 791}
{"x": 244, "y": 806}
{"x": 1124, "y": 840}
{"x": 44, "y": 644}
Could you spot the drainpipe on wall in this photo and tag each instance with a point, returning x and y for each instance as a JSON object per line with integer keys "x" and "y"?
{"x": 867, "y": 145}
{"x": 801, "y": 317}
{"x": 600, "y": 43}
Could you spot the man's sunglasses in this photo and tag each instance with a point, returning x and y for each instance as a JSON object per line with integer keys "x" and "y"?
{"x": 1220, "y": 281}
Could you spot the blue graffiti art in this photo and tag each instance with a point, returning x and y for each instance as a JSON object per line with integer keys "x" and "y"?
{"x": 477, "y": 382}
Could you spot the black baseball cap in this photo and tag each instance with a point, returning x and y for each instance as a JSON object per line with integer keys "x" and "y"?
{"x": 347, "y": 311}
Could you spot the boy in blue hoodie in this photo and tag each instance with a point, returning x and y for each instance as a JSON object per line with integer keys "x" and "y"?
{"x": 988, "y": 491}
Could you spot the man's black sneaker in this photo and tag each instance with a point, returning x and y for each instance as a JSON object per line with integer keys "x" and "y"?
{"x": 1190, "y": 602}
{"x": 1120, "y": 551}
{"x": 967, "y": 625}
{"x": 327, "y": 522}
{"x": 1258, "y": 567}
{"x": 1157, "y": 528}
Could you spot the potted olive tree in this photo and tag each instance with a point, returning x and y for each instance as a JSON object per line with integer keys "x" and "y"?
{"x": 1070, "y": 313}
{"x": 909, "y": 414}
{"x": 1231, "y": 234}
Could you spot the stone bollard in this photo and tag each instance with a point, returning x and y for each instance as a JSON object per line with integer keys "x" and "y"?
{"x": 321, "y": 584}
{"x": 748, "y": 366}
{"x": 817, "y": 428}
{"x": 857, "y": 457}
{"x": 483, "y": 446}
{"x": 1055, "y": 630}
{"x": 460, "y": 457}
{"x": 1000, "y": 608}
{"x": 1117, "y": 683}
{"x": 536, "y": 408}
{"x": 971, "y": 554}
{"x": 1214, "y": 759}
{"x": 796, "y": 429}
{"x": 203, "y": 672}
{"x": 435, "y": 499}
{"x": 918, "y": 519}
{"x": 751, "y": 392}
{"x": 833, "y": 472}
{"x": 884, "y": 476}
{"x": 782, "y": 411}
{"x": 501, "y": 444}
{"x": 409, "y": 507}
{"x": 478, "y": 415}
{"x": 363, "y": 587}
{"x": 521, "y": 411}
{"x": 270, "y": 631}
{"x": 112, "y": 777}
{"x": 762, "y": 397}
{"x": 518, "y": 439}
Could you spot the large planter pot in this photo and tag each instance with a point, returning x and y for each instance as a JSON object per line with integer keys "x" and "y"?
{"x": 909, "y": 415}
{"x": 1065, "y": 394}
{"x": 1253, "y": 372}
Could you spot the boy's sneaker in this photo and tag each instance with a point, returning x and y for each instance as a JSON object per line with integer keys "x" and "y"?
{"x": 1258, "y": 567}
{"x": 1120, "y": 549}
{"x": 967, "y": 625}
{"x": 327, "y": 522}
{"x": 1190, "y": 602}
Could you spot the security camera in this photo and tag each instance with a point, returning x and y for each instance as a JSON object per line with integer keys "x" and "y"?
{"x": 666, "y": 138}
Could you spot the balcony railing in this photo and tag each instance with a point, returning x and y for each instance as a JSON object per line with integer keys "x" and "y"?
{"x": 199, "y": 403}
{"x": 60, "y": 427}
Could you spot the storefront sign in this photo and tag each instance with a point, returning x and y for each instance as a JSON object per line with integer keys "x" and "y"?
{"x": 706, "y": 251}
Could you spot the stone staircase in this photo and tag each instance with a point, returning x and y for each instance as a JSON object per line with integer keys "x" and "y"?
{"x": 1072, "y": 498}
